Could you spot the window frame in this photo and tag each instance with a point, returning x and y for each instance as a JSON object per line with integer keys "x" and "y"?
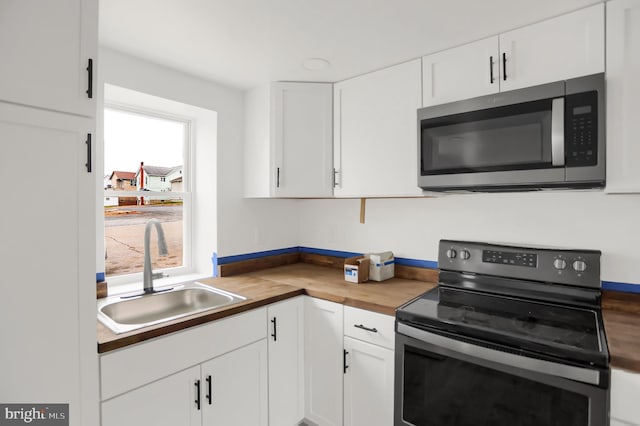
{"x": 186, "y": 194}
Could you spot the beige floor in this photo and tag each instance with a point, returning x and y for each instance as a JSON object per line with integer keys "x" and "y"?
{"x": 125, "y": 248}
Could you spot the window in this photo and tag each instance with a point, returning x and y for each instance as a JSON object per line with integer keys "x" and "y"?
{"x": 145, "y": 146}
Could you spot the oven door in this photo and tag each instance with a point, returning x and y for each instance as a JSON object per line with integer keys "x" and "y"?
{"x": 442, "y": 381}
{"x": 514, "y": 138}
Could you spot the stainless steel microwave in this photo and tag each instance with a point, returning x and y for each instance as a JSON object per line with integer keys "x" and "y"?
{"x": 547, "y": 136}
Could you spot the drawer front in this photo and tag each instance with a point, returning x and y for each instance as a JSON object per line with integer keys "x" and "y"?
{"x": 369, "y": 327}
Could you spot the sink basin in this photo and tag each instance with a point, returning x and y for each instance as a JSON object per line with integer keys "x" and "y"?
{"x": 127, "y": 314}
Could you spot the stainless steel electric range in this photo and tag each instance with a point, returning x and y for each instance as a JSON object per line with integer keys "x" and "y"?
{"x": 512, "y": 336}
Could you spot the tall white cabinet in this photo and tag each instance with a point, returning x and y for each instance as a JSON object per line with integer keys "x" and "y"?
{"x": 46, "y": 48}
{"x": 47, "y": 309}
{"x": 623, "y": 90}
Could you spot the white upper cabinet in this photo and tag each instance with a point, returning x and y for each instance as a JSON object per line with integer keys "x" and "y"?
{"x": 375, "y": 132}
{"x": 461, "y": 73}
{"x": 564, "y": 47}
{"x": 623, "y": 90}
{"x": 45, "y": 48}
{"x": 288, "y": 145}
{"x": 568, "y": 46}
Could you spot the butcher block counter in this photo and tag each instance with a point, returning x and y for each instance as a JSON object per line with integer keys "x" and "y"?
{"x": 621, "y": 311}
{"x": 272, "y": 285}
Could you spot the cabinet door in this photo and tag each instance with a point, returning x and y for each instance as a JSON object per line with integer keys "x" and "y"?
{"x": 461, "y": 73}
{"x": 623, "y": 90}
{"x": 167, "y": 402}
{"x": 323, "y": 361}
{"x": 47, "y": 258}
{"x": 375, "y": 132}
{"x": 368, "y": 384}
{"x": 568, "y": 46}
{"x": 45, "y": 49}
{"x": 625, "y": 389}
{"x": 237, "y": 394}
{"x": 286, "y": 362}
{"x": 302, "y": 121}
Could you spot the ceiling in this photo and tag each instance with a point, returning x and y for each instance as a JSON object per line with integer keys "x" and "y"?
{"x": 244, "y": 43}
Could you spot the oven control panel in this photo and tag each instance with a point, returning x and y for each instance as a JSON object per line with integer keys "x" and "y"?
{"x": 510, "y": 258}
{"x": 563, "y": 266}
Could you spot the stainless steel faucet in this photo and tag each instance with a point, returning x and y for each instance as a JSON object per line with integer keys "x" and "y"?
{"x": 148, "y": 276}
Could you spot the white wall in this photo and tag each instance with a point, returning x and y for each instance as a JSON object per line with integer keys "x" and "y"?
{"x": 412, "y": 227}
{"x": 241, "y": 225}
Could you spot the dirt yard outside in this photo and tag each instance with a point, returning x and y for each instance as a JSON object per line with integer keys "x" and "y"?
{"x": 124, "y": 237}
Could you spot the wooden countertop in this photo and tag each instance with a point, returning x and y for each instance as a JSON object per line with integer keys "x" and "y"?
{"x": 621, "y": 312}
{"x": 272, "y": 285}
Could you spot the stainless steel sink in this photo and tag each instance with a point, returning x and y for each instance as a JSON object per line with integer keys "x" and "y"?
{"x": 123, "y": 314}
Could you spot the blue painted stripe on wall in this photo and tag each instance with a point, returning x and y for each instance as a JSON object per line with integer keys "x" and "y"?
{"x": 214, "y": 261}
{"x": 430, "y": 264}
{"x": 623, "y": 287}
{"x": 240, "y": 257}
{"x": 100, "y": 276}
{"x": 334, "y": 253}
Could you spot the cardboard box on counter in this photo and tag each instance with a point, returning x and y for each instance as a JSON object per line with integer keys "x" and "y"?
{"x": 356, "y": 269}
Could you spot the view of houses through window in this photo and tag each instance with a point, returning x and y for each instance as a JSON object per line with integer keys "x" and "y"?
{"x": 145, "y": 179}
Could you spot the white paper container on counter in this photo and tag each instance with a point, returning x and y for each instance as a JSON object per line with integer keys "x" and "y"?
{"x": 382, "y": 266}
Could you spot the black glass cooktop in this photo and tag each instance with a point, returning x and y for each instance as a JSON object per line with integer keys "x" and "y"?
{"x": 566, "y": 332}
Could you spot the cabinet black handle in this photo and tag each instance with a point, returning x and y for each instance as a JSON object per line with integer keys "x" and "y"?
{"x": 344, "y": 361}
{"x": 88, "y": 163}
{"x": 209, "y": 394}
{"x": 504, "y": 66}
{"x": 90, "y": 81}
{"x": 491, "y": 69}
{"x": 373, "y": 330}
{"x": 275, "y": 330}
{"x": 197, "y": 394}
{"x": 278, "y": 177}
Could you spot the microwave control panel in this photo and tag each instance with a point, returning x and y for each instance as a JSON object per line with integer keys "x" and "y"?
{"x": 581, "y": 129}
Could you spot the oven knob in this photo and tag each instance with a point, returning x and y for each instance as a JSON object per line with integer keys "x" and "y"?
{"x": 579, "y": 266}
{"x": 559, "y": 263}
{"x": 464, "y": 254}
{"x": 451, "y": 253}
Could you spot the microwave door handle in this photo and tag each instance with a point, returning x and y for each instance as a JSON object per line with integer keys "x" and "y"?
{"x": 557, "y": 132}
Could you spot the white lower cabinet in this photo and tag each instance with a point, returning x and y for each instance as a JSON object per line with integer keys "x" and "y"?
{"x": 166, "y": 402}
{"x": 625, "y": 394}
{"x": 286, "y": 362}
{"x": 227, "y": 390}
{"x": 234, "y": 388}
{"x": 213, "y": 374}
{"x": 368, "y": 384}
{"x": 369, "y": 341}
{"x": 323, "y": 361}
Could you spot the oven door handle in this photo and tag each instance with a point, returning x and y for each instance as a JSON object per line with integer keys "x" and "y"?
{"x": 557, "y": 132}
{"x": 570, "y": 372}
